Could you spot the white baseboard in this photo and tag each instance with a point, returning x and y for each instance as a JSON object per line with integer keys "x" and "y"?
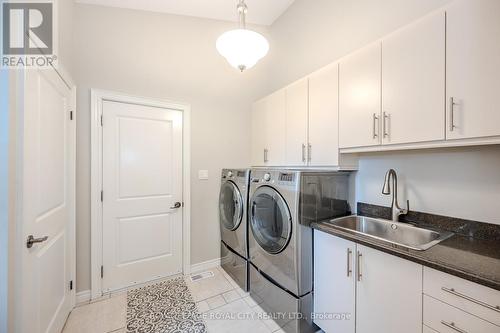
{"x": 203, "y": 266}
{"x": 82, "y": 297}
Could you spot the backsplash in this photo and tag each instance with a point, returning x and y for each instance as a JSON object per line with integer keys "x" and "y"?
{"x": 462, "y": 182}
{"x": 468, "y": 228}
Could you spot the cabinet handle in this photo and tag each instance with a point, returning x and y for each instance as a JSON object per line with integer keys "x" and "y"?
{"x": 452, "y": 114}
{"x": 453, "y": 326}
{"x": 265, "y": 155}
{"x": 303, "y": 153}
{"x": 358, "y": 267}
{"x": 384, "y": 125}
{"x": 375, "y": 118}
{"x": 309, "y": 148}
{"x": 456, "y": 293}
{"x": 349, "y": 270}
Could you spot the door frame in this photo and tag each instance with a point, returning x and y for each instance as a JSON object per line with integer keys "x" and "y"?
{"x": 97, "y": 98}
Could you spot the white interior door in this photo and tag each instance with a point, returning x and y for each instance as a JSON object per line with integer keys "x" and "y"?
{"x": 47, "y": 203}
{"x": 142, "y": 181}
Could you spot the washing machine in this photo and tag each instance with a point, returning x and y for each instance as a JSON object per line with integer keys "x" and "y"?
{"x": 282, "y": 205}
{"x": 233, "y": 203}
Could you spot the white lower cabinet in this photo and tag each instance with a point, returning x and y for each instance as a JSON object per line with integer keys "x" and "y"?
{"x": 334, "y": 283}
{"x": 445, "y": 318}
{"x": 426, "y": 329}
{"x": 388, "y": 293}
{"x": 382, "y": 293}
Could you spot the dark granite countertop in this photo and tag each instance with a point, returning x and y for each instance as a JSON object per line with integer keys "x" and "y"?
{"x": 473, "y": 259}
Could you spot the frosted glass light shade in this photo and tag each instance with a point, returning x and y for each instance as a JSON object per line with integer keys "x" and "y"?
{"x": 242, "y": 48}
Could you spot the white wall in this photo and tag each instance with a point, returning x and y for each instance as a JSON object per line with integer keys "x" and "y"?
{"x": 167, "y": 57}
{"x": 312, "y": 34}
{"x": 65, "y": 32}
{"x": 459, "y": 182}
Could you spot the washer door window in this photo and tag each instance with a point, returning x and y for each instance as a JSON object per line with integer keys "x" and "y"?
{"x": 270, "y": 220}
{"x": 230, "y": 206}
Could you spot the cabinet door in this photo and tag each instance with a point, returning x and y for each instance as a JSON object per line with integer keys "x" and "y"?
{"x": 389, "y": 293}
{"x": 323, "y": 147}
{"x": 296, "y": 123}
{"x": 334, "y": 283}
{"x": 275, "y": 128}
{"x": 258, "y": 132}
{"x": 360, "y": 98}
{"x": 473, "y": 69}
{"x": 413, "y": 82}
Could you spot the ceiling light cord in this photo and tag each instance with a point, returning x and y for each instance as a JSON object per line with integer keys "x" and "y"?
{"x": 242, "y": 11}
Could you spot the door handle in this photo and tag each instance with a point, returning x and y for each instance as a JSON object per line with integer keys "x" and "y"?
{"x": 452, "y": 114}
{"x": 32, "y": 240}
{"x": 176, "y": 205}
{"x": 349, "y": 270}
{"x": 303, "y": 153}
{"x": 453, "y": 326}
{"x": 375, "y": 120}
{"x": 384, "y": 125}
{"x": 358, "y": 268}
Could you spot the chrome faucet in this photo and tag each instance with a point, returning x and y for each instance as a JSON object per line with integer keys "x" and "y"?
{"x": 396, "y": 211}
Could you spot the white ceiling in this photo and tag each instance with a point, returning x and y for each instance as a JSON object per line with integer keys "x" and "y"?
{"x": 263, "y": 12}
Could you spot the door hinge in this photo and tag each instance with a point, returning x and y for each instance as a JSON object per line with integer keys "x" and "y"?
{"x": 102, "y": 196}
{"x": 71, "y": 285}
{"x": 71, "y": 115}
{"x": 102, "y": 272}
{"x": 101, "y": 119}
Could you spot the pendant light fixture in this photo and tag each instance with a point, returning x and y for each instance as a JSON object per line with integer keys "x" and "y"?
{"x": 242, "y": 48}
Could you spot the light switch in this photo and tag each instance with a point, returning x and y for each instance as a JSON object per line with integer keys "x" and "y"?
{"x": 203, "y": 174}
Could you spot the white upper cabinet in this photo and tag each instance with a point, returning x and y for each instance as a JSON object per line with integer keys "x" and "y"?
{"x": 275, "y": 128}
{"x": 258, "y": 132}
{"x": 413, "y": 82}
{"x": 296, "y": 123}
{"x": 323, "y": 147}
{"x": 360, "y": 98}
{"x": 268, "y": 130}
{"x": 473, "y": 69}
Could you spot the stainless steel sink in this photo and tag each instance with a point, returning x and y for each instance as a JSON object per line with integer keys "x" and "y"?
{"x": 401, "y": 234}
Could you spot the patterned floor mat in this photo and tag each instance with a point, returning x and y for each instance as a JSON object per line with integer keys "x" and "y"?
{"x": 165, "y": 307}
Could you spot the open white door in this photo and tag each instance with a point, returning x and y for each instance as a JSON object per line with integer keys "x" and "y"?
{"x": 47, "y": 202}
{"x": 142, "y": 193}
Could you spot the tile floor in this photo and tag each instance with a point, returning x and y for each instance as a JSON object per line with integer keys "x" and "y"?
{"x": 225, "y": 307}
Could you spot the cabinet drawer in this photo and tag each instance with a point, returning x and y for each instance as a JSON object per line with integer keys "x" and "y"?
{"x": 427, "y": 329}
{"x": 448, "y": 319}
{"x": 471, "y": 297}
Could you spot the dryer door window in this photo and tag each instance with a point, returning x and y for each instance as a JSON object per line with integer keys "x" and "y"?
{"x": 230, "y": 206}
{"x": 270, "y": 220}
